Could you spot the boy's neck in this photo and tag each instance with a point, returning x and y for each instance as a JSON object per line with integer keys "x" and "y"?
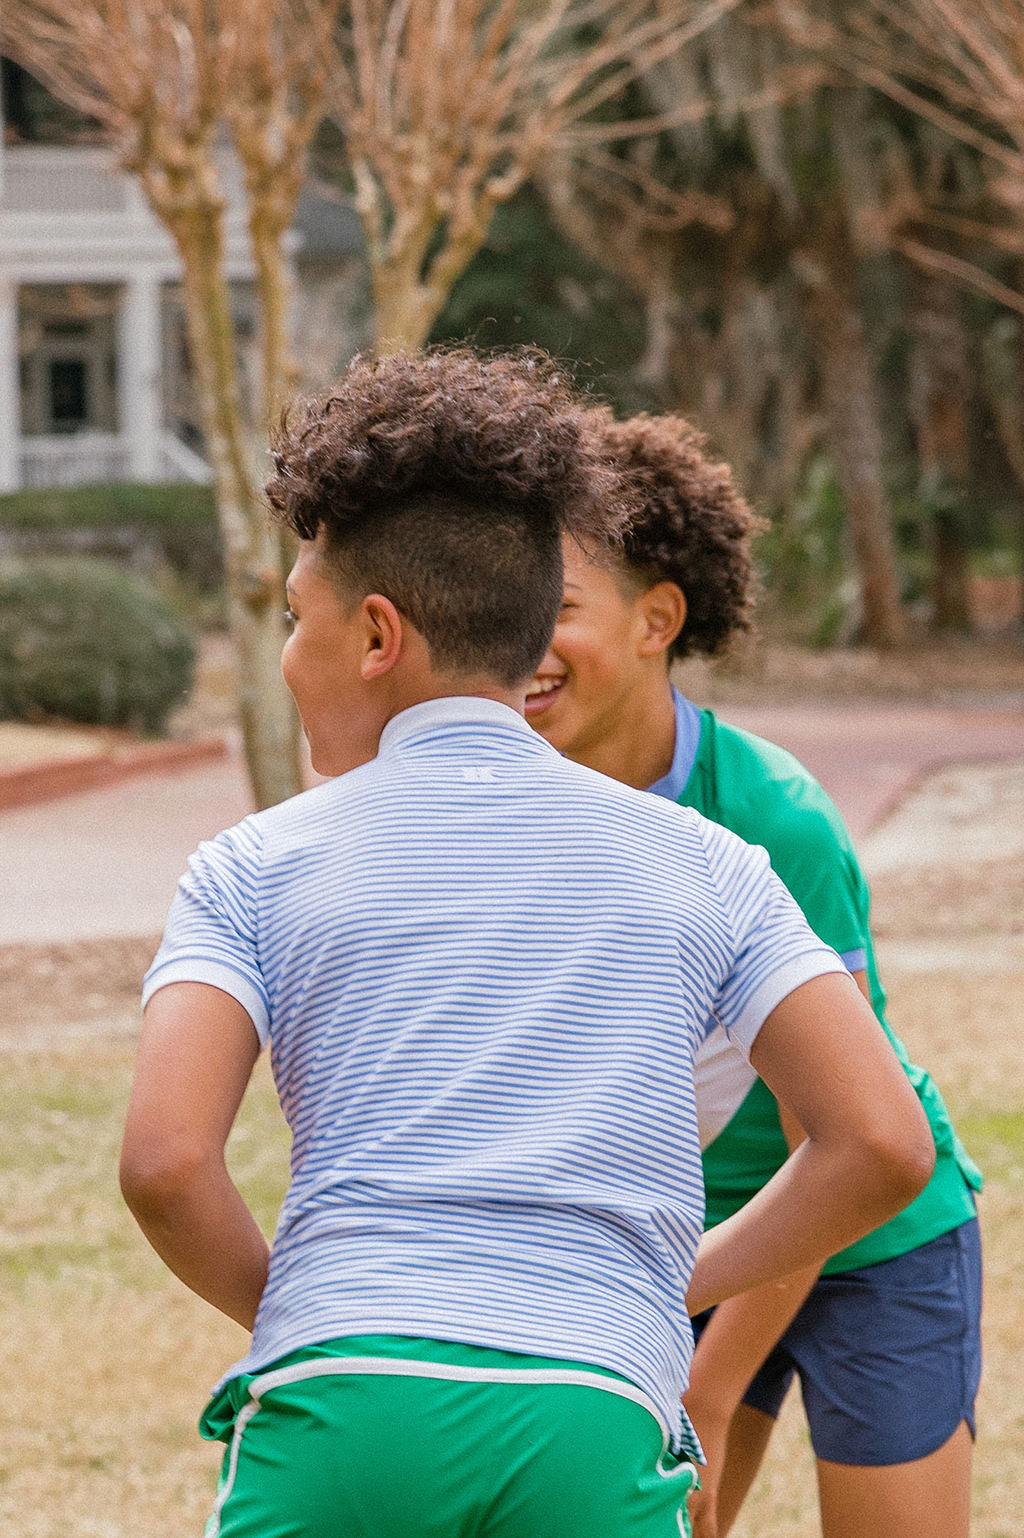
{"x": 439, "y": 686}
{"x": 640, "y": 750}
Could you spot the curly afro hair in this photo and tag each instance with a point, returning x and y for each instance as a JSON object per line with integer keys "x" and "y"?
{"x": 445, "y": 480}
{"x": 692, "y": 526}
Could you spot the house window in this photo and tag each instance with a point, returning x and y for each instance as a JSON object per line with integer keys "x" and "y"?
{"x": 67, "y": 340}
{"x": 68, "y": 394}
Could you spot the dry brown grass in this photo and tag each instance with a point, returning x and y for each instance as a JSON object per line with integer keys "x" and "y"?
{"x": 108, "y": 1358}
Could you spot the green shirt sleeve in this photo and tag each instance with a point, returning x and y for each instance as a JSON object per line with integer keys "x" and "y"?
{"x": 766, "y": 796}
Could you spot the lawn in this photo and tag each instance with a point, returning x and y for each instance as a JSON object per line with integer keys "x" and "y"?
{"x": 108, "y": 1356}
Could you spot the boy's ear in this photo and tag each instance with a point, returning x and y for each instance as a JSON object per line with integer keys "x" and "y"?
{"x": 663, "y": 607}
{"x": 382, "y": 636}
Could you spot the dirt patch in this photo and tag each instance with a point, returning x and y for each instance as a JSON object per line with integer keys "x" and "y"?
{"x": 88, "y": 984}
{"x": 974, "y": 671}
{"x": 966, "y": 817}
{"x": 950, "y": 900}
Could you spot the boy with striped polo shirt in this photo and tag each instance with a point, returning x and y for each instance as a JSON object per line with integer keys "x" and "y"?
{"x": 886, "y": 1341}
{"x": 483, "y": 973}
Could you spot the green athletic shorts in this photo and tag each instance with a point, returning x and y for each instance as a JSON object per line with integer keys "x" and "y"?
{"x": 388, "y": 1437}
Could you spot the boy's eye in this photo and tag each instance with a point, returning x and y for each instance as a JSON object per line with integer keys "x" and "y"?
{"x": 289, "y": 617}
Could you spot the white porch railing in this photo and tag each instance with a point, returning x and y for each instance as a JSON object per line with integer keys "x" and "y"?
{"x": 74, "y": 460}
{"x": 83, "y": 188}
{"x": 83, "y": 458}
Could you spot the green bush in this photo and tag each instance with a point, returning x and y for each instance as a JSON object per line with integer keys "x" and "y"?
{"x": 86, "y": 641}
{"x": 148, "y": 525}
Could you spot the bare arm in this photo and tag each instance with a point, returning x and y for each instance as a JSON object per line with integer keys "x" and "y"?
{"x": 196, "y": 1054}
{"x": 745, "y": 1328}
{"x": 868, "y": 1150}
{"x": 734, "y": 1343}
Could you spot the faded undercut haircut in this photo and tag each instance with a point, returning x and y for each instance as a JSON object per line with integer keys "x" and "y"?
{"x": 690, "y": 526}
{"x": 444, "y": 480}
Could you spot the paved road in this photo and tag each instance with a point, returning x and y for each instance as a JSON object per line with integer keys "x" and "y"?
{"x": 104, "y": 863}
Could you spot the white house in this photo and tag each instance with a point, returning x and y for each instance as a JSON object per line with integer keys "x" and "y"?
{"x": 94, "y": 374}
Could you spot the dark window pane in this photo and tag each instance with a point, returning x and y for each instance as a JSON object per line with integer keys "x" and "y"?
{"x": 68, "y": 395}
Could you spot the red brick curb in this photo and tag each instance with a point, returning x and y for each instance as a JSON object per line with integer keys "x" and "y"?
{"x": 51, "y": 778}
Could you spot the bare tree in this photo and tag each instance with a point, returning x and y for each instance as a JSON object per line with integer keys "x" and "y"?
{"x": 162, "y": 77}
{"x": 277, "y": 57}
{"x": 629, "y": 210}
{"x": 627, "y": 220}
{"x": 448, "y": 106}
{"x": 959, "y": 67}
{"x": 802, "y": 173}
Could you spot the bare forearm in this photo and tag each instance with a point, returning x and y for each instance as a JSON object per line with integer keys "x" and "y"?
{"x": 821, "y": 1200}
{"x": 201, "y": 1228}
{"x": 196, "y": 1053}
{"x": 741, "y": 1333}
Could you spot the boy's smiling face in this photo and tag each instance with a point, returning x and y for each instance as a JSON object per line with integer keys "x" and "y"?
{"x": 593, "y": 663}
{"x": 602, "y": 694}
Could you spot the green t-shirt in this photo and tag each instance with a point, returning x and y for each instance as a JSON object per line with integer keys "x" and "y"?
{"x": 766, "y": 796}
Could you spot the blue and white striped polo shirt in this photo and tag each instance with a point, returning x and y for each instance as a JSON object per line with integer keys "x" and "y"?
{"x": 484, "y": 972}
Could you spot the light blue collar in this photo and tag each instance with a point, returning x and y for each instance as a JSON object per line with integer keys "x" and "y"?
{"x": 684, "y": 755}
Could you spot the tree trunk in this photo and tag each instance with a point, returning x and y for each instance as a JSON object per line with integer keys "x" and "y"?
{"x": 269, "y": 219}
{"x": 404, "y": 310}
{"x": 251, "y": 549}
{"x": 416, "y": 267}
{"x": 1003, "y": 379}
{"x": 939, "y": 390}
{"x": 273, "y": 285}
{"x": 851, "y": 411}
{"x": 405, "y": 306}
{"x": 950, "y": 584}
{"x": 1011, "y": 432}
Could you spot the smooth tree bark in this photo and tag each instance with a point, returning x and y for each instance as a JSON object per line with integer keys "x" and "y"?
{"x": 160, "y": 76}
{"x": 251, "y": 545}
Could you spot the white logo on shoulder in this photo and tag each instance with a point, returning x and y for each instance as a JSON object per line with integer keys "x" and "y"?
{"x": 477, "y": 774}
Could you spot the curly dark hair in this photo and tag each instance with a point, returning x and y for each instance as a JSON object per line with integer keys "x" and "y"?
{"x": 445, "y": 480}
{"x": 692, "y": 526}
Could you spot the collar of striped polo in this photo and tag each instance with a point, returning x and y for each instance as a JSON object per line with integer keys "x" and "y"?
{"x": 453, "y": 710}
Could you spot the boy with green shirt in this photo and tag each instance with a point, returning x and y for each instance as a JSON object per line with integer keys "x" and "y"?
{"x": 886, "y": 1338}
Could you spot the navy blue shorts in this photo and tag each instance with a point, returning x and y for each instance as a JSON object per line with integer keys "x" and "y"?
{"x": 888, "y": 1356}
